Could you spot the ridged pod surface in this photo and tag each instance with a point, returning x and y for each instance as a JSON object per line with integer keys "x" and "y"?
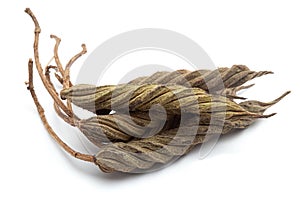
{"x": 143, "y": 154}
{"x": 175, "y": 99}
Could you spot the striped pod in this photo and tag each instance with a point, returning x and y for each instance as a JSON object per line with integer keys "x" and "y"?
{"x": 220, "y": 81}
{"x": 117, "y": 128}
{"x": 224, "y": 81}
{"x": 142, "y": 155}
{"x": 175, "y": 99}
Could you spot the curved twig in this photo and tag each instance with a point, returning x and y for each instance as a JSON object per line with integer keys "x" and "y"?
{"x": 39, "y": 68}
{"x": 72, "y": 152}
{"x": 56, "y": 57}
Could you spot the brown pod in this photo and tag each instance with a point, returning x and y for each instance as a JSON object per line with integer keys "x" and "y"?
{"x": 139, "y": 156}
{"x": 213, "y": 81}
{"x": 142, "y": 155}
{"x": 123, "y": 128}
{"x": 175, "y": 99}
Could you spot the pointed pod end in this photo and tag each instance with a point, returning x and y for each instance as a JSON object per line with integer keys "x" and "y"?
{"x": 279, "y": 98}
{"x": 267, "y": 116}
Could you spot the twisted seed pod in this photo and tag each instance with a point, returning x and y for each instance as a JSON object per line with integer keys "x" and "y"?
{"x": 143, "y": 154}
{"x": 175, "y": 99}
{"x": 216, "y": 81}
{"x": 224, "y": 81}
{"x": 115, "y": 128}
{"x": 121, "y": 127}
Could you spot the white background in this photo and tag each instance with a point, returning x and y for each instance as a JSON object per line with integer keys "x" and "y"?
{"x": 260, "y": 162}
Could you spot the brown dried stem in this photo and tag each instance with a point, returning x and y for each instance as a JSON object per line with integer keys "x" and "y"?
{"x": 39, "y": 68}
{"x": 72, "y": 121}
{"x": 66, "y": 76}
{"x": 56, "y": 57}
{"x": 78, "y": 155}
{"x": 67, "y": 119}
{"x": 47, "y": 75}
{"x": 46, "y": 79}
{"x": 58, "y": 63}
{"x": 59, "y": 78}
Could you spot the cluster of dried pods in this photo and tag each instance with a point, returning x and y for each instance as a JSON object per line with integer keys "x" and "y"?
{"x": 139, "y": 136}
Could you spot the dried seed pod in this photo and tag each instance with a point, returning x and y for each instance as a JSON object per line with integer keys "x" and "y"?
{"x": 117, "y": 128}
{"x": 121, "y": 127}
{"x": 141, "y": 155}
{"x": 224, "y": 81}
{"x": 216, "y": 81}
{"x": 175, "y": 99}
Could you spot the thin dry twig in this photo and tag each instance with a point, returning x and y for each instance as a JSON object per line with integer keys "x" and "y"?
{"x": 39, "y": 68}
{"x": 30, "y": 87}
{"x": 66, "y": 76}
{"x": 47, "y": 75}
{"x": 59, "y": 78}
{"x": 67, "y": 119}
{"x": 56, "y": 57}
